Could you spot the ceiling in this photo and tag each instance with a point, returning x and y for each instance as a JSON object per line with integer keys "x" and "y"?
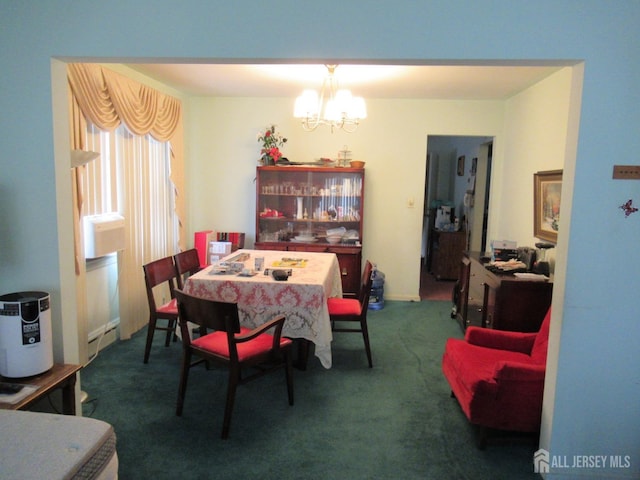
{"x": 465, "y": 82}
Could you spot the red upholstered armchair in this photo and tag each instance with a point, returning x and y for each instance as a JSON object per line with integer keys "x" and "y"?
{"x": 498, "y": 377}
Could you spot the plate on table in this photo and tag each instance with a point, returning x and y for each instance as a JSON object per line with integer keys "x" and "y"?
{"x": 248, "y": 274}
{"x": 219, "y": 271}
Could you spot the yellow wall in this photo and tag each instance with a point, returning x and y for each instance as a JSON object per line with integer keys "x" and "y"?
{"x": 535, "y": 140}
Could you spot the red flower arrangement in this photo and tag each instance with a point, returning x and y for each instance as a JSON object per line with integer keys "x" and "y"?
{"x": 271, "y": 143}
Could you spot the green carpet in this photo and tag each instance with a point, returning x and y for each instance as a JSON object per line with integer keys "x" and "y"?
{"x": 395, "y": 421}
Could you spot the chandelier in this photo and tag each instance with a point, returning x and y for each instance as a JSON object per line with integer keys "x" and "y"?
{"x": 334, "y": 107}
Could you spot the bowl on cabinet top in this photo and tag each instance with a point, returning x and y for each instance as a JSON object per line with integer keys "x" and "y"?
{"x": 356, "y": 164}
{"x": 336, "y": 231}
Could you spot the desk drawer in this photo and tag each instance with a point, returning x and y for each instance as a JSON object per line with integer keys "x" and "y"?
{"x": 479, "y": 277}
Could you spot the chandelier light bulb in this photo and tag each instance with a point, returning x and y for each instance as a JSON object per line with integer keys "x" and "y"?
{"x": 358, "y": 108}
{"x": 341, "y": 108}
{"x": 306, "y": 104}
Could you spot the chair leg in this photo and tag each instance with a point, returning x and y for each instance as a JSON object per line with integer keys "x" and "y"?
{"x": 481, "y": 440}
{"x": 289, "y": 374}
{"x": 184, "y": 377}
{"x": 171, "y": 329}
{"x": 174, "y": 330}
{"x": 234, "y": 377}
{"x": 150, "y": 331}
{"x": 367, "y": 346}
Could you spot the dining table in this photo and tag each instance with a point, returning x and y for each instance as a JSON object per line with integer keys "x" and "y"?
{"x": 311, "y": 279}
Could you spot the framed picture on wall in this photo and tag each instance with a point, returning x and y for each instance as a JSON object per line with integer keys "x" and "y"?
{"x": 461, "y": 165}
{"x": 547, "y": 190}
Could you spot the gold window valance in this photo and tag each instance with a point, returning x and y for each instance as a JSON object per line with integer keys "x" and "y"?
{"x": 107, "y": 98}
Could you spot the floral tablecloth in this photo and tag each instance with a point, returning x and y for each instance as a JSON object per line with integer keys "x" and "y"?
{"x": 302, "y": 298}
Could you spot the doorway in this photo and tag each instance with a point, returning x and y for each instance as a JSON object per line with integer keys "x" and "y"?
{"x": 457, "y": 180}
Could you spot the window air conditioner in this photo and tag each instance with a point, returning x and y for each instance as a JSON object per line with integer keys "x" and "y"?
{"x": 103, "y": 234}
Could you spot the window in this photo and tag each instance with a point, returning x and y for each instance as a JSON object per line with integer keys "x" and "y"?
{"x": 132, "y": 177}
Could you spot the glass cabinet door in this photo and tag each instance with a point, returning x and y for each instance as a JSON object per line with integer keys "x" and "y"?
{"x": 309, "y": 205}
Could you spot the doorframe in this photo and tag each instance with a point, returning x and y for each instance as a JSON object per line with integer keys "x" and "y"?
{"x": 480, "y": 196}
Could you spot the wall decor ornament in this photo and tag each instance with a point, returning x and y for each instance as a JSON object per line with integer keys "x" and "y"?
{"x": 628, "y": 208}
{"x": 547, "y": 190}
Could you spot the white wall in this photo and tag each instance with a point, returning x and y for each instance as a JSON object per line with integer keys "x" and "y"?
{"x": 103, "y": 312}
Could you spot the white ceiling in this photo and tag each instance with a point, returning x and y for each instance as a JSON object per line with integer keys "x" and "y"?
{"x": 466, "y": 82}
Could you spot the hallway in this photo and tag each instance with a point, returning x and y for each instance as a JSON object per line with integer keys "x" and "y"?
{"x": 432, "y": 289}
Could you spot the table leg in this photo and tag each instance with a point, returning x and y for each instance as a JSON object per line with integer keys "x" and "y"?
{"x": 69, "y": 396}
{"x": 304, "y": 346}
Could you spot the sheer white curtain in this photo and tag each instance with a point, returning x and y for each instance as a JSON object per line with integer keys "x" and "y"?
{"x": 132, "y": 177}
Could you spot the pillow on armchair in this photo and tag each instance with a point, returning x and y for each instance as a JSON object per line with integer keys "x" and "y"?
{"x": 498, "y": 376}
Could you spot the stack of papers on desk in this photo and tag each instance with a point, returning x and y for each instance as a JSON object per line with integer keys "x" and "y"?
{"x": 510, "y": 266}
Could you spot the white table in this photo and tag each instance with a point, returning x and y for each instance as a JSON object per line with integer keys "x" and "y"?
{"x": 302, "y": 298}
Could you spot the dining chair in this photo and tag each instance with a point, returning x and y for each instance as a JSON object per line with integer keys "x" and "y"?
{"x": 160, "y": 274}
{"x": 354, "y": 310}
{"x": 235, "y": 347}
{"x": 186, "y": 264}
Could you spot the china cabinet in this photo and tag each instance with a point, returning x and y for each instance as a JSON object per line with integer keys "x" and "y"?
{"x": 313, "y": 209}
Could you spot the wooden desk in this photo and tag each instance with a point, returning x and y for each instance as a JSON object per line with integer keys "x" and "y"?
{"x": 499, "y": 300}
{"x": 61, "y": 376}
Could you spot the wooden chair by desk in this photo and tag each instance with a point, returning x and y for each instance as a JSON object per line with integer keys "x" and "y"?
{"x": 61, "y": 376}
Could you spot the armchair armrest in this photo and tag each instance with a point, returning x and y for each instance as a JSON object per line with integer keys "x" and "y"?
{"x": 277, "y": 322}
{"x": 500, "y": 339}
{"x": 519, "y": 372}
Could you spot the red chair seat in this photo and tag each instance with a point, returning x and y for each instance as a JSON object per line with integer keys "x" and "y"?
{"x": 217, "y": 344}
{"x": 170, "y": 307}
{"x": 344, "y": 306}
{"x": 474, "y": 367}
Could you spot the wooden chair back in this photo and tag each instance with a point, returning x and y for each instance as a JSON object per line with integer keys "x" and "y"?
{"x": 208, "y": 315}
{"x": 157, "y": 273}
{"x": 186, "y": 264}
{"x": 366, "y": 283}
